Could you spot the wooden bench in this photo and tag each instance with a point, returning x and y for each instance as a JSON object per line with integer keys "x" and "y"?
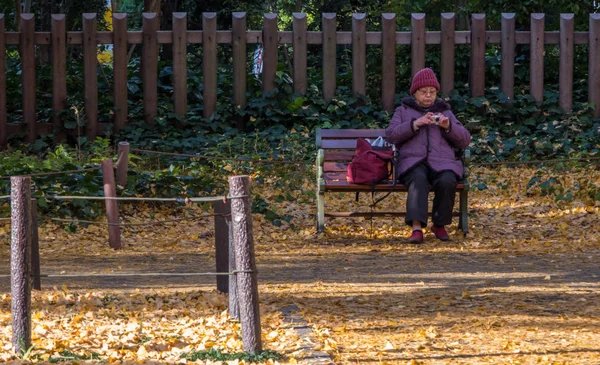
{"x": 337, "y": 147}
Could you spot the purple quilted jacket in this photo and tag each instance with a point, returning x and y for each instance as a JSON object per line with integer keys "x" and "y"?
{"x": 430, "y": 143}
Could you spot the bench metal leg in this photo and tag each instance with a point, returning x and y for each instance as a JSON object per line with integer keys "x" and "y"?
{"x": 463, "y": 220}
{"x": 320, "y": 211}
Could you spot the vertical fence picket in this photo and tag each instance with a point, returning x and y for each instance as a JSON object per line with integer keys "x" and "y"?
{"x": 594, "y": 63}
{"x": 90, "y": 74}
{"x": 447, "y": 52}
{"x": 388, "y": 61}
{"x": 239, "y": 63}
{"x": 150, "y": 66}
{"x": 59, "y": 72}
{"x": 359, "y": 54}
{"x": 270, "y": 41}
{"x": 477, "y": 69}
{"x": 536, "y": 65}
{"x": 299, "y": 46}
{"x": 329, "y": 40}
{"x": 565, "y": 74}
{"x": 28, "y": 70}
{"x": 417, "y": 41}
{"x": 209, "y": 62}
{"x": 507, "y": 46}
{"x": 180, "y": 63}
{"x": 120, "y": 69}
{"x": 3, "y": 91}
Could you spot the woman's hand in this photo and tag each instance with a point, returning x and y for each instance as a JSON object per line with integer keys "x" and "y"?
{"x": 444, "y": 122}
{"x": 424, "y": 120}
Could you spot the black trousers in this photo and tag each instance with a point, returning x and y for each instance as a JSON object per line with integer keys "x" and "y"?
{"x": 443, "y": 183}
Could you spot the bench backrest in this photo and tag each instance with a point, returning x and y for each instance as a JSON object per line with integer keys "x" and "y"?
{"x": 340, "y": 144}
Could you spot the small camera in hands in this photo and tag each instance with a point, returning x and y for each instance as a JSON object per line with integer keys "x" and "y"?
{"x": 436, "y": 119}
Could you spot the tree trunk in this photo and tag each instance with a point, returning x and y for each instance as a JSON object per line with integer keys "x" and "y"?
{"x": 44, "y": 49}
{"x": 17, "y": 14}
{"x": 166, "y": 22}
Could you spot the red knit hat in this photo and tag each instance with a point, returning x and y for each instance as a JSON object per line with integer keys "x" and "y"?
{"x": 423, "y": 78}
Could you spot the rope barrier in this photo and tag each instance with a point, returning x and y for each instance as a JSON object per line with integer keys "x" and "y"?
{"x": 4, "y": 196}
{"x": 77, "y": 221}
{"x": 218, "y": 158}
{"x": 234, "y": 272}
{"x": 533, "y": 162}
{"x": 54, "y": 173}
{"x": 5, "y": 219}
{"x": 132, "y": 198}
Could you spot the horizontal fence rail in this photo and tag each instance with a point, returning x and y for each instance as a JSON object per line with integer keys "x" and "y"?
{"x": 150, "y": 37}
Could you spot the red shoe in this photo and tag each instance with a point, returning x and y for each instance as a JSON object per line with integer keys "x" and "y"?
{"x": 416, "y": 237}
{"x": 440, "y": 233}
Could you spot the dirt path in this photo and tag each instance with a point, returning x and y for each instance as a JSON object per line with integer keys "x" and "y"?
{"x": 376, "y": 302}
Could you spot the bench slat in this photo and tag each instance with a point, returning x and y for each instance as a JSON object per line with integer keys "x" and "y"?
{"x": 339, "y": 155}
{"x": 339, "y": 143}
{"x": 341, "y": 184}
{"x": 351, "y": 133}
{"x": 335, "y": 167}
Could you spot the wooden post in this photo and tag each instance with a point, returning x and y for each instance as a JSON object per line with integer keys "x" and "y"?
{"x": 112, "y": 209}
{"x": 299, "y": 47}
{"x": 35, "y": 247}
{"x": 565, "y": 74}
{"x": 477, "y": 64}
{"x": 507, "y": 73}
{"x": 594, "y": 64}
{"x": 59, "y": 72}
{"x": 359, "y": 54}
{"x": 536, "y": 60}
{"x": 447, "y": 53}
{"x": 122, "y": 163}
{"x": 28, "y": 75}
{"x": 3, "y": 91}
{"x": 19, "y": 262}
{"x": 329, "y": 55}
{"x": 270, "y": 41}
{"x": 120, "y": 69}
{"x": 388, "y": 61}
{"x": 239, "y": 65}
{"x": 180, "y": 64}
{"x": 225, "y": 256}
{"x": 90, "y": 74}
{"x": 247, "y": 285}
{"x": 417, "y": 41}
{"x": 221, "y": 244}
{"x": 150, "y": 27}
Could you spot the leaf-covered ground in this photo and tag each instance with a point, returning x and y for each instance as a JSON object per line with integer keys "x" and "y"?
{"x": 522, "y": 288}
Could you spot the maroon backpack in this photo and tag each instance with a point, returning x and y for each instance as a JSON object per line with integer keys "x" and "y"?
{"x": 369, "y": 166}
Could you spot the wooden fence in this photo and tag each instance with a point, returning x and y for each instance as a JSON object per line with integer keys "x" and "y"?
{"x": 150, "y": 37}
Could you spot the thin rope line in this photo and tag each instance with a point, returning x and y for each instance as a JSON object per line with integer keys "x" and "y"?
{"x": 134, "y": 224}
{"x": 5, "y": 197}
{"x": 217, "y": 158}
{"x": 53, "y": 173}
{"x": 131, "y": 198}
{"x": 234, "y": 272}
{"x": 581, "y": 159}
{"x": 5, "y": 219}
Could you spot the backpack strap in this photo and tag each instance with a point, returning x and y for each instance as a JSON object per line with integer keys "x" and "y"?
{"x": 395, "y": 160}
